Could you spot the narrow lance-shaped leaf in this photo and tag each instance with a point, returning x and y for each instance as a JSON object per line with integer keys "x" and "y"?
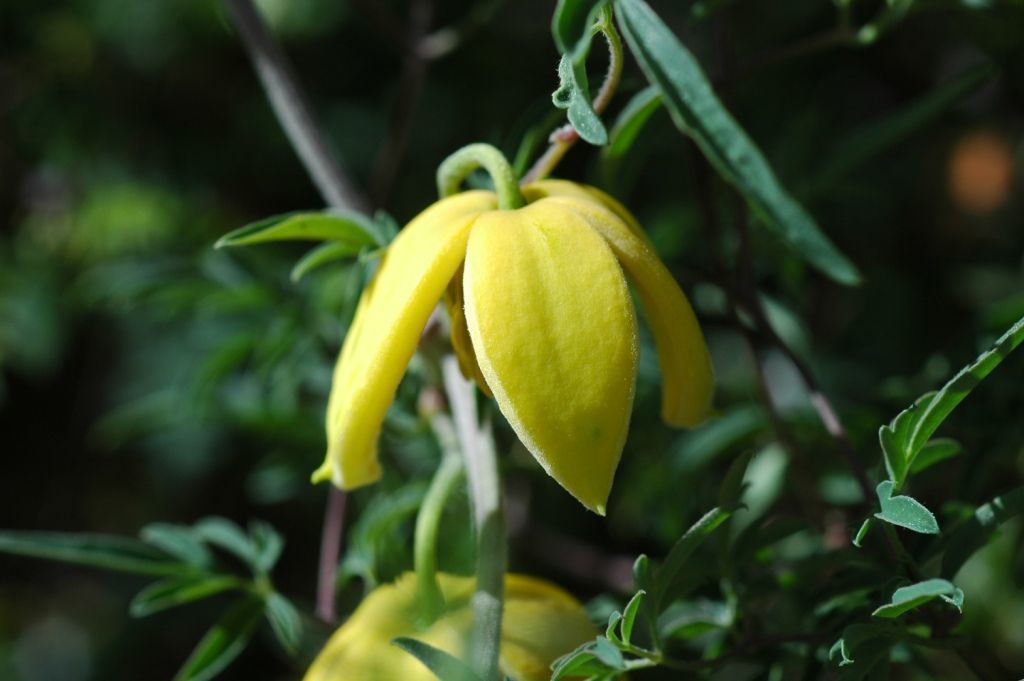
{"x": 284, "y": 620}
{"x": 336, "y": 225}
{"x": 445, "y": 666}
{"x": 903, "y": 439}
{"x": 697, "y": 112}
{"x": 630, "y": 122}
{"x": 94, "y": 550}
{"x": 175, "y": 591}
{"x": 223, "y": 642}
{"x": 179, "y": 541}
{"x": 323, "y": 254}
{"x": 686, "y": 545}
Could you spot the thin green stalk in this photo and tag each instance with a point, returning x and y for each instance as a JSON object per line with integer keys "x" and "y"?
{"x": 485, "y": 490}
{"x": 457, "y": 167}
{"x": 428, "y": 522}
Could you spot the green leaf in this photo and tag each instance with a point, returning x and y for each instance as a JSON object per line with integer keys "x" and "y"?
{"x": 629, "y": 615}
{"x": 323, "y": 254}
{"x": 894, "y": 438}
{"x": 903, "y": 439}
{"x": 445, "y": 666}
{"x": 376, "y": 526}
{"x": 573, "y": 95}
{"x": 877, "y": 136}
{"x": 697, "y": 112}
{"x": 605, "y": 651}
{"x": 284, "y": 620}
{"x": 697, "y": 448}
{"x": 226, "y": 535}
{"x": 175, "y": 591}
{"x": 334, "y": 224}
{"x": 570, "y": 25}
{"x": 223, "y": 642}
{"x": 94, "y": 550}
{"x": 910, "y": 597}
{"x": 862, "y": 647}
{"x": 732, "y": 486}
{"x": 904, "y": 511}
{"x": 688, "y": 619}
{"x": 686, "y": 545}
{"x": 580, "y": 663}
{"x": 934, "y": 452}
{"x": 179, "y": 541}
{"x": 267, "y": 544}
{"x": 973, "y": 534}
{"x": 631, "y": 121}
{"x": 858, "y": 539}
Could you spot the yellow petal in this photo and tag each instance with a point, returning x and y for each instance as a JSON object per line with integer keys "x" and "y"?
{"x": 391, "y": 315}
{"x": 461, "y": 342}
{"x": 540, "y": 624}
{"x": 554, "y": 331}
{"x": 688, "y": 379}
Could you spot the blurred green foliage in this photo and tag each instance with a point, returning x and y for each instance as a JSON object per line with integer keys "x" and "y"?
{"x": 146, "y": 377}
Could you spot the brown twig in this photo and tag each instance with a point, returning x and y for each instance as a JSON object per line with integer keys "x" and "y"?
{"x": 292, "y": 109}
{"x": 295, "y": 116}
{"x": 403, "y": 113}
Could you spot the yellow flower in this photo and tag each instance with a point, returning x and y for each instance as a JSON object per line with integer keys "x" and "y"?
{"x": 547, "y": 326}
{"x": 541, "y": 622}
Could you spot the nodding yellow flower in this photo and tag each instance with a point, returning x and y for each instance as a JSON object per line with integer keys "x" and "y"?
{"x": 541, "y": 622}
{"x": 541, "y": 318}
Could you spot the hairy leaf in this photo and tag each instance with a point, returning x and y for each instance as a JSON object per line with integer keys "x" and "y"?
{"x": 904, "y": 511}
{"x": 910, "y": 597}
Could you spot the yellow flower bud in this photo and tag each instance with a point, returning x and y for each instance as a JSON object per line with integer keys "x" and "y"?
{"x": 542, "y": 319}
{"x": 541, "y": 622}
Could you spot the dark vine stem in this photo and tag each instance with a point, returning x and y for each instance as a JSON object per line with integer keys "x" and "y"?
{"x": 292, "y": 108}
{"x": 337, "y": 189}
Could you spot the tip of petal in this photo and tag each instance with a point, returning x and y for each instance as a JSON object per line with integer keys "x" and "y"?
{"x": 329, "y": 470}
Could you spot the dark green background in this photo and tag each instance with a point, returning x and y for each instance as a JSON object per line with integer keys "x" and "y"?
{"x": 146, "y": 377}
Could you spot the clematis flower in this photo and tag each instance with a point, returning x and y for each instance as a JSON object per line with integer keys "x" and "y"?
{"x": 541, "y": 622}
{"x": 542, "y": 319}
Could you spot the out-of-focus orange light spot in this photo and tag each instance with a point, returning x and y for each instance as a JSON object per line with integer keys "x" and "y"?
{"x": 981, "y": 172}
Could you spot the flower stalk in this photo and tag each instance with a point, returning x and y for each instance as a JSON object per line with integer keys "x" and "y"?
{"x": 477, "y": 444}
{"x": 428, "y": 520}
{"x": 457, "y": 167}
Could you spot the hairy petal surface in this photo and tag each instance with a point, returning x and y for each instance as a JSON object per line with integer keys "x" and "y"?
{"x": 394, "y": 308}
{"x": 688, "y": 379}
{"x": 541, "y": 622}
{"x": 554, "y": 330}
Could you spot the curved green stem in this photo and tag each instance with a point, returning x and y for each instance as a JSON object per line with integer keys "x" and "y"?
{"x": 457, "y": 167}
{"x": 428, "y": 521}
